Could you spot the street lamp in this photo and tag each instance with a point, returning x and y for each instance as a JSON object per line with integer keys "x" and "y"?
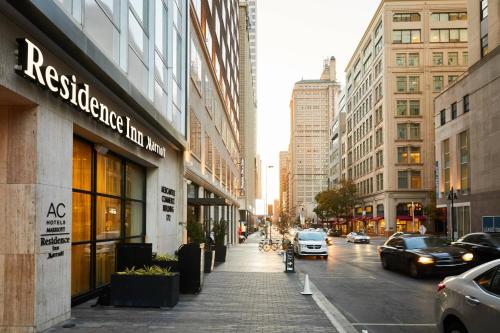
{"x": 452, "y": 195}
{"x": 266, "y": 211}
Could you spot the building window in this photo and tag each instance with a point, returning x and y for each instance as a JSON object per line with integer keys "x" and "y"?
{"x": 401, "y": 84}
{"x": 208, "y": 153}
{"x": 445, "y": 146}
{"x": 402, "y": 108}
{"x": 409, "y": 155}
{"x": 413, "y": 84}
{"x": 378, "y": 137}
{"x": 453, "y": 110}
{"x": 379, "y": 159}
{"x": 452, "y": 78}
{"x": 108, "y": 208}
{"x": 464, "y": 162}
{"x": 406, "y": 36}
{"x": 195, "y": 135}
{"x": 442, "y": 117}
{"x": 437, "y": 83}
{"x": 445, "y": 17}
{"x": 437, "y": 58}
{"x": 195, "y": 66}
{"x": 466, "y": 58}
{"x": 466, "y": 104}
{"x": 378, "y": 47}
{"x": 414, "y": 107}
{"x": 378, "y": 68}
{"x": 380, "y": 185}
{"x": 408, "y": 131}
{"x": 406, "y": 17}
{"x": 413, "y": 60}
{"x": 453, "y": 58}
{"x": 378, "y": 29}
{"x": 484, "y": 9}
{"x": 409, "y": 179}
{"x": 401, "y": 59}
{"x": 449, "y": 36}
{"x": 484, "y": 45}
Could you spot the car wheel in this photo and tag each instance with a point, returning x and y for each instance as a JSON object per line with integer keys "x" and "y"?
{"x": 414, "y": 271}
{"x": 385, "y": 263}
{"x": 455, "y": 326}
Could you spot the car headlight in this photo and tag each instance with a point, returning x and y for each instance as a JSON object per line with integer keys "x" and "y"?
{"x": 425, "y": 260}
{"x": 468, "y": 257}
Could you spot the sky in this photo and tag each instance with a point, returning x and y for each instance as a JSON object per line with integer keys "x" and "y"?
{"x": 293, "y": 39}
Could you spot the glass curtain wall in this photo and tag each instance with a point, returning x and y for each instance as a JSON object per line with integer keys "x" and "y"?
{"x": 108, "y": 208}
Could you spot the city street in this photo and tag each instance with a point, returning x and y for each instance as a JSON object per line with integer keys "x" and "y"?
{"x": 371, "y": 298}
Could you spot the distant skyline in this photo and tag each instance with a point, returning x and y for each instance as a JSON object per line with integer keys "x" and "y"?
{"x": 293, "y": 39}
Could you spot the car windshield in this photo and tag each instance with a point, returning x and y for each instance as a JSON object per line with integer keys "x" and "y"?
{"x": 495, "y": 238}
{"x": 311, "y": 236}
{"x": 425, "y": 242}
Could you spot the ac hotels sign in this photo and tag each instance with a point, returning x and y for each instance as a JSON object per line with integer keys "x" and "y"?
{"x": 77, "y": 94}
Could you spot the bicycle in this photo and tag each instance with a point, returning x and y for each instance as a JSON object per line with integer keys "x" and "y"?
{"x": 264, "y": 245}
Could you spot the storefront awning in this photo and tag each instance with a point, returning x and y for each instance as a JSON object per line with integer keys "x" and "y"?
{"x": 208, "y": 202}
{"x": 410, "y": 218}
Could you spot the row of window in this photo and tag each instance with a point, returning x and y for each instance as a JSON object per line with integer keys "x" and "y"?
{"x": 413, "y": 36}
{"x": 413, "y": 59}
{"x": 462, "y": 162}
{"x": 441, "y": 17}
{"x": 454, "y": 110}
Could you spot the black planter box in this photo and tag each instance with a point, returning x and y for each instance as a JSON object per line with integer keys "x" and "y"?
{"x": 209, "y": 261}
{"x": 130, "y": 255}
{"x": 153, "y": 291}
{"x": 171, "y": 265}
{"x": 220, "y": 253}
{"x": 191, "y": 266}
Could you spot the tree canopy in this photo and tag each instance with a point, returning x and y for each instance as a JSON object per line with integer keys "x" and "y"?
{"x": 338, "y": 202}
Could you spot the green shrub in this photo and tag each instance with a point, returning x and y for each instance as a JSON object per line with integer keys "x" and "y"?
{"x": 194, "y": 229}
{"x": 165, "y": 257}
{"x": 146, "y": 270}
{"x": 219, "y": 230}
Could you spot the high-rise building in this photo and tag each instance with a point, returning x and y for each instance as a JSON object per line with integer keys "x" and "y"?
{"x": 258, "y": 177}
{"x": 337, "y": 131}
{"x": 466, "y": 121}
{"x": 283, "y": 170}
{"x": 93, "y": 107}
{"x": 248, "y": 121}
{"x": 410, "y": 52}
{"x": 212, "y": 162}
{"x": 311, "y": 107}
{"x": 252, "y": 32}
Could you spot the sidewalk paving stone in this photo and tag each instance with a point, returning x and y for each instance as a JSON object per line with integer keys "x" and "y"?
{"x": 249, "y": 293}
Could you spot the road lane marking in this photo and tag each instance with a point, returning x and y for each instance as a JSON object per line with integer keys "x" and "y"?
{"x": 391, "y": 324}
{"x": 345, "y": 277}
{"x": 341, "y": 324}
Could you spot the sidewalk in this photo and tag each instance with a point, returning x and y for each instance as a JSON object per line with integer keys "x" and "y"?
{"x": 248, "y": 293}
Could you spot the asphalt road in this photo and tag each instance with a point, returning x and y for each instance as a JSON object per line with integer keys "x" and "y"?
{"x": 372, "y": 299}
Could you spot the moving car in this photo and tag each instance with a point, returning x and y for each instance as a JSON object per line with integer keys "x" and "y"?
{"x": 470, "y": 302}
{"x": 357, "y": 237}
{"x": 484, "y": 246}
{"x": 310, "y": 243}
{"x": 420, "y": 255}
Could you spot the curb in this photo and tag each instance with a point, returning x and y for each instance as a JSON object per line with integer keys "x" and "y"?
{"x": 338, "y": 320}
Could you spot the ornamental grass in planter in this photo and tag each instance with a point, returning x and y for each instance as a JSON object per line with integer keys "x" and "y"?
{"x": 167, "y": 261}
{"x": 219, "y": 230}
{"x": 150, "y": 286}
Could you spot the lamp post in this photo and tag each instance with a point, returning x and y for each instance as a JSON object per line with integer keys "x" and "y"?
{"x": 452, "y": 195}
{"x": 265, "y": 206}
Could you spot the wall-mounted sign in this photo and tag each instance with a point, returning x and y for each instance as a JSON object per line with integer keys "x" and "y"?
{"x": 55, "y": 233}
{"x": 168, "y": 201}
{"x": 77, "y": 94}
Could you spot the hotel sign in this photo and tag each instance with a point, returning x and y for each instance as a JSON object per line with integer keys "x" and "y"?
{"x": 77, "y": 94}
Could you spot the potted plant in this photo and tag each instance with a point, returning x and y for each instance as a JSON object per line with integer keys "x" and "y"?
{"x": 168, "y": 261}
{"x": 150, "y": 286}
{"x": 191, "y": 257}
{"x": 219, "y": 230}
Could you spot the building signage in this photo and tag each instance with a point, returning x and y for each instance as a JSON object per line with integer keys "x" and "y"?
{"x": 168, "y": 201}
{"x": 55, "y": 233}
{"x": 77, "y": 94}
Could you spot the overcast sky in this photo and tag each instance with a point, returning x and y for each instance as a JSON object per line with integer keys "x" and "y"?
{"x": 293, "y": 39}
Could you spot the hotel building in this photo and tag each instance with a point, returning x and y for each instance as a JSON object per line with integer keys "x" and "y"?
{"x": 93, "y": 128}
{"x": 409, "y": 53}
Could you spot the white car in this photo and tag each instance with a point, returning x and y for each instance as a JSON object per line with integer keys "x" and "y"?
{"x": 357, "y": 237}
{"x": 470, "y": 302}
{"x": 310, "y": 243}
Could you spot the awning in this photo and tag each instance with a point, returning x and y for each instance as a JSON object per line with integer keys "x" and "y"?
{"x": 410, "y": 218}
{"x": 208, "y": 202}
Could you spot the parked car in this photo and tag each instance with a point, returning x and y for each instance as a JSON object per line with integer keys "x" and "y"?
{"x": 357, "y": 237}
{"x": 310, "y": 243}
{"x": 470, "y": 302}
{"x": 419, "y": 255}
{"x": 484, "y": 246}
{"x": 334, "y": 233}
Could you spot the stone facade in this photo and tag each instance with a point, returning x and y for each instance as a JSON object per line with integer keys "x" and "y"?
{"x": 404, "y": 59}
{"x": 467, "y": 133}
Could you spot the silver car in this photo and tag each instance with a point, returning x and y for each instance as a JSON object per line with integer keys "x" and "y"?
{"x": 470, "y": 302}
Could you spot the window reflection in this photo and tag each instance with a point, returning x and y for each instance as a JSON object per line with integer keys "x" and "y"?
{"x": 133, "y": 218}
{"x": 80, "y": 269}
{"x": 105, "y": 262}
{"x": 81, "y": 217}
{"x": 82, "y": 164}
{"x": 109, "y": 171}
{"x": 107, "y": 218}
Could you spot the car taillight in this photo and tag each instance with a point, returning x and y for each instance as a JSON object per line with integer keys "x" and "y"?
{"x": 441, "y": 286}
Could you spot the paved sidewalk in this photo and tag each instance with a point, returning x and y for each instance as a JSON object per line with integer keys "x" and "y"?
{"x": 248, "y": 293}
